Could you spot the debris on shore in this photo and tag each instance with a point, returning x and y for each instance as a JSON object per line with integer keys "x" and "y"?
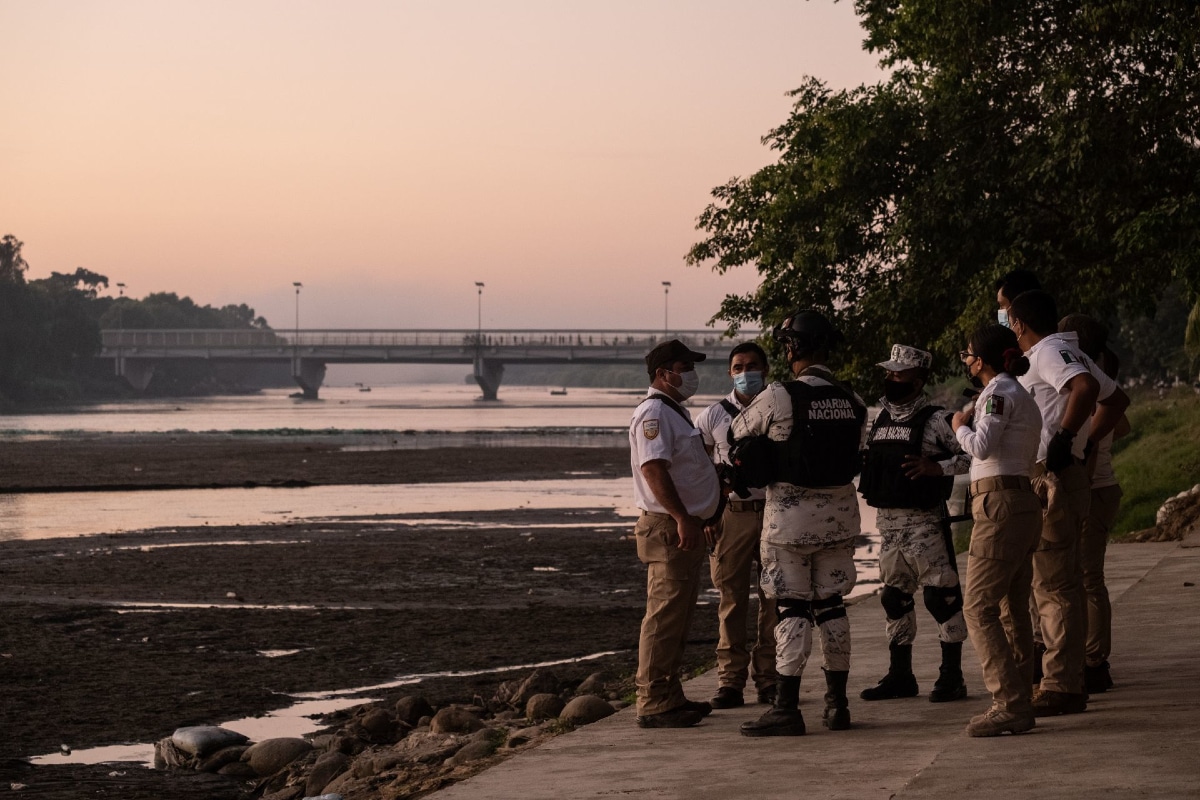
{"x": 1176, "y": 518}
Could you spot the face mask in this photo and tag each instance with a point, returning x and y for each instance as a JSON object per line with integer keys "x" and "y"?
{"x": 1002, "y": 317}
{"x": 690, "y": 383}
{"x": 895, "y": 391}
{"x": 748, "y": 383}
{"x": 974, "y": 380}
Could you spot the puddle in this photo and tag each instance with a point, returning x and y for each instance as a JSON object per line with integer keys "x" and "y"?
{"x": 296, "y": 719}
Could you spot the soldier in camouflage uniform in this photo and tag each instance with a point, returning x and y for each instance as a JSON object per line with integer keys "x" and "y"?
{"x": 910, "y": 460}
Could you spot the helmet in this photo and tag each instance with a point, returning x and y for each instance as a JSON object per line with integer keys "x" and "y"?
{"x": 806, "y": 330}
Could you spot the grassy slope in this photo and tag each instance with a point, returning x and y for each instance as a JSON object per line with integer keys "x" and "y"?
{"x": 1160, "y": 457}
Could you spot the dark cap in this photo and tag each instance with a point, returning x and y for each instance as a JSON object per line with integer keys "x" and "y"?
{"x": 669, "y": 353}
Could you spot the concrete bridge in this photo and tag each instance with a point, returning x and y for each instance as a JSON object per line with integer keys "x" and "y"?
{"x": 136, "y": 353}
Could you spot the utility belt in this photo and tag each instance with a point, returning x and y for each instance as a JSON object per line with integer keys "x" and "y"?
{"x": 746, "y": 505}
{"x": 997, "y": 482}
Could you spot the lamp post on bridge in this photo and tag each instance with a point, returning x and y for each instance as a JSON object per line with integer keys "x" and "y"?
{"x": 296, "y": 340}
{"x": 479, "y": 316}
{"x": 666, "y": 298}
{"x": 120, "y": 306}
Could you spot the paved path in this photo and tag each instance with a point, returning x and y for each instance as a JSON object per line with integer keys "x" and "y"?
{"x": 1142, "y": 739}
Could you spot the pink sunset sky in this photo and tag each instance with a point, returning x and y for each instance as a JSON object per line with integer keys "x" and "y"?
{"x": 390, "y": 154}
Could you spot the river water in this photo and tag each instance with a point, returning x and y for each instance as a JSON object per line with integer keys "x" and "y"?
{"x": 383, "y": 417}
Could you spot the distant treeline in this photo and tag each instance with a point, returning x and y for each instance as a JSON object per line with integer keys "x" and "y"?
{"x": 50, "y": 330}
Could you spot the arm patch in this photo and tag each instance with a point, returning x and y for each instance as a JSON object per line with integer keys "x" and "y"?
{"x": 650, "y": 429}
{"x": 994, "y": 405}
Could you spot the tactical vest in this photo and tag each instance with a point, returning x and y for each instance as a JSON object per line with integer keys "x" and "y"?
{"x": 823, "y": 448}
{"x": 883, "y": 483}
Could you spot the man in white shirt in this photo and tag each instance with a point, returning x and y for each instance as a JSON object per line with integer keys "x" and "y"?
{"x": 736, "y": 548}
{"x": 676, "y": 487}
{"x": 1066, "y": 387}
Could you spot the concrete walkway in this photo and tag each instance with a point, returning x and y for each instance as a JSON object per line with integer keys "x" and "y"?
{"x": 1140, "y": 739}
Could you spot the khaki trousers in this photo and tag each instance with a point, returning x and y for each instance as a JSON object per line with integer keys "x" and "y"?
{"x": 734, "y": 556}
{"x": 672, "y": 584}
{"x": 999, "y": 573}
{"x": 1058, "y": 576}
{"x": 1105, "y": 502}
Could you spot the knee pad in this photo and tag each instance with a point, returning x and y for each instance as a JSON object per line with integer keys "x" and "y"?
{"x": 828, "y": 609}
{"x": 895, "y": 602}
{"x": 792, "y": 608}
{"x": 943, "y": 602}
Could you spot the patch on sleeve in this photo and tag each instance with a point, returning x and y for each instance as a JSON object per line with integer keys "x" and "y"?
{"x": 1067, "y": 357}
{"x": 650, "y": 428}
{"x": 994, "y": 405}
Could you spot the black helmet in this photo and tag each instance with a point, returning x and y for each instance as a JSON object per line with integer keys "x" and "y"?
{"x": 807, "y": 330}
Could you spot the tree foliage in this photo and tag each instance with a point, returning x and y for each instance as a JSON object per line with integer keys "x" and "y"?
{"x": 1059, "y": 136}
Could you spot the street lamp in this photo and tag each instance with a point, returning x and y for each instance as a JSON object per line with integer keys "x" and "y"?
{"x": 120, "y": 306}
{"x": 479, "y": 318}
{"x": 666, "y": 296}
{"x": 297, "y": 284}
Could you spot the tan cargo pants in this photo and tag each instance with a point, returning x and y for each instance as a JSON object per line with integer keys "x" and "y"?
{"x": 1103, "y": 513}
{"x": 732, "y": 566}
{"x": 672, "y": 584}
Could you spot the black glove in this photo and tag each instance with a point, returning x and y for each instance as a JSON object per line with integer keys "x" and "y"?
{"x": 1058, "y": 451}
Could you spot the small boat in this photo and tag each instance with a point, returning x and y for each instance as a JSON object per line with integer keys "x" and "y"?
{"x": 559, "y": 391}
{"x": 362, "y": 388}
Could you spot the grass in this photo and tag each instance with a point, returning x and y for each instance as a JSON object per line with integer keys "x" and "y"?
{"x": 1160, "y": 457}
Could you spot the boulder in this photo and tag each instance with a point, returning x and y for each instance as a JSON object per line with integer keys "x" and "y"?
{"x": 410, "y": 709}
{"x": 472, "y": 752}
{"x": 200, "y": 740}
{"x": 226, "y": 755}
{"x": 238, "y": 770}
{"x": 540, "y": 681}
{"x": 586, "y": 709}
{"x": 379, "y": 725}
{"x": 455, "y": 720}
{"x": 423, "y": 747}
{"x": 328, "y": 767}
{"x": 271, "y": 755}
{"x": 593, "y": 684}
{"x": 286, "y": 793}
{"x": 543, "y": 706}
{"x": 523, "y": 736}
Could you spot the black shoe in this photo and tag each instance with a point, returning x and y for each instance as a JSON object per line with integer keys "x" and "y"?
{"x": 728, "y": 697}
{"x": 1097, "y": 680}
{"x": 836, "y": 719}
{"x": 948, "y": 688}
{"x": 892, "y": 687}
{"x": 682, "y": 717}
{"x": 776, "y": 722}
{"x": 703, "y": 708}
{"x": 767, "y": 696}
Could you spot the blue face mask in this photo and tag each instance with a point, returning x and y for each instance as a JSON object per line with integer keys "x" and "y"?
{"x": 1002, "y": 317}
{"x": 748, "y": 383}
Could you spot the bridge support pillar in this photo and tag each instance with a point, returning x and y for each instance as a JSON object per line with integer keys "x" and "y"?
{"x": 138, "y": 372}
{"x": 309, "y": 374}
{"x": 488, "y": 374}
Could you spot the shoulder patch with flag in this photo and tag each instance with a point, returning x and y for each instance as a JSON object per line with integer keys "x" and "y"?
{"x": 1067, "y": 357}
{"x": 994, "y": 405}
{"x": 650, "y": 428}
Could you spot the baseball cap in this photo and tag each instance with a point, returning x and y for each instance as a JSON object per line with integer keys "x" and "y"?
{"x": 668, "y": 353}
{"x": 905, "y": 357}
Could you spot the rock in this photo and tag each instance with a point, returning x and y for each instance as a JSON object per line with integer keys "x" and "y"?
{"x": 328, "y": 767}
{"x": 200, "y": 740}
{"x": 271, "y": 755}
{"x": 425, "y": 721}
{"x": 286, "y": 793}
{"x": 379, "y": 725}
{"x": 425, "y": 747}
{"x": 539, "y": 682}
{"x": 543, "y": 706}
{"x": 239, "y": 770}
{"x": 472, "y": 752}
{"x": 455, "y": 720}
{"x": 226, "y": 755}
{"x": 506, "y": 692}
{"x": 168, "y": 755}
{"x": 523, "y": 736}
{"x": 410, "y": 709}
{"x": 593, "y": 684}
{"x": 586, "y": 709}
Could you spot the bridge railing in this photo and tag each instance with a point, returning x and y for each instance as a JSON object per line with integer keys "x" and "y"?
{"x": 168, "y": 339}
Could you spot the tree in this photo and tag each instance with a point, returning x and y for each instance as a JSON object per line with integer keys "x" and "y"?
{"x": 1053, "y": 135}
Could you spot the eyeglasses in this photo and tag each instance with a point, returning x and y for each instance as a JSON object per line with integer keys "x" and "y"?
{"x": 965, "y": 355}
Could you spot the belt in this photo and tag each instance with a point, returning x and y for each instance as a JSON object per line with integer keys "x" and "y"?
{"x": 646, "y": 513}
{"x": 747, "y": 505}
{"x": 1000, "y": 482}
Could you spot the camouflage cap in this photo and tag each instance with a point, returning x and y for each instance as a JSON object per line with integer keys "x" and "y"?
{"x": 905, "y": 357}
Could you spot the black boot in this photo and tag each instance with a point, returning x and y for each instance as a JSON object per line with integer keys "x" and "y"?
{"x": 949, "y": 685}
{"x": 899, "y": 681}
{"x": 1039, "y": 653}
{"x": 837, "y": 708}
{"x": 1097, "y": 680}
{"x": 784, "y": 718}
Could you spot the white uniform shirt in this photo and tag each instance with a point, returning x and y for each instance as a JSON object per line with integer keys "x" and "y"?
{"x": 658, "y": 432}
{"x": 1104, "y": 475}
{"x": 1053, "y": 362}
{"x": 1008, "y": 427}
{"x": 798, "y": 515}
{"x": 713, "y": 424}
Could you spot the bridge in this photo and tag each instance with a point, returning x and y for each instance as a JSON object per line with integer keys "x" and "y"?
{"x": 136, "y": 353}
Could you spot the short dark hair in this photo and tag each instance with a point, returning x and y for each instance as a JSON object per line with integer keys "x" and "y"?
{"x": 1036, "y": 309}
{"x": 1017, "y": 282}
{"x": 997, "y": 346}
{"x": 749, "y": 347}
{"x": 1093, "y": 335}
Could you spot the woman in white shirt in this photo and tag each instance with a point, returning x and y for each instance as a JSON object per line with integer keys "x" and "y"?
{"x": 1003, "y": 444}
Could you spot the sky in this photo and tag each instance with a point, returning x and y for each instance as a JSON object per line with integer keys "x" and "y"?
{"x": 388, "y": 155}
